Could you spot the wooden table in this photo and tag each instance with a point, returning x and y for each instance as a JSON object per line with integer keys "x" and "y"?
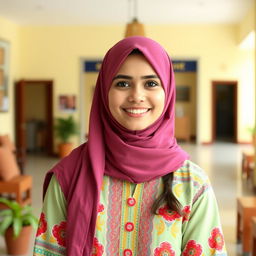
{"x": 253, "y": 237}
{"x": 246, "y": 209}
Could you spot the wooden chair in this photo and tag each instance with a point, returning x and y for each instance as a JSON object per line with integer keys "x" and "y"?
{"x": 18, "y": 189}
{"x": 13, "y": 185}
{"x": 253, "y": 237}
{"x": 246, "y": 209}
{"x": 247, "y": 163}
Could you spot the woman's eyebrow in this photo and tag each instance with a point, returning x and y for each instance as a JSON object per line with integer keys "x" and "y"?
{"x": 130, "y": 77}
{"x": 122, "y": 77}
{"x": 149, "y": 76}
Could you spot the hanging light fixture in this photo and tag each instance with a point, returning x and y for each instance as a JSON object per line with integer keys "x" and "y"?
{"x": 134, "y": 28}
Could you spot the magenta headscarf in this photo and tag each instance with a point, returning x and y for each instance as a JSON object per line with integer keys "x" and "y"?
{"x": 136, "y": 156}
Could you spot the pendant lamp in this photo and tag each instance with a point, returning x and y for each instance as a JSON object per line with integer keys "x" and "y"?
{"x": 134, "y": 28}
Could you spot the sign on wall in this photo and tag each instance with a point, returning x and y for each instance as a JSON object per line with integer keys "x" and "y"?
{"x": 178, "y": 65}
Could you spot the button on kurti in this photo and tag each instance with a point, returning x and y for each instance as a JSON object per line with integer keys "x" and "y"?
{"x": 131, "y": 201}
{"x": 129, "y": 226}
{"x": 127, "y": 252}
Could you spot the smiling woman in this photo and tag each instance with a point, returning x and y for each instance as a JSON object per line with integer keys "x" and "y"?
{"x": 130, "y": 190}
{"x": 136, "y": 96}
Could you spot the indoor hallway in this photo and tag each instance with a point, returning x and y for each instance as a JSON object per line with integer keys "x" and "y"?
{"x": 221, "y": 161}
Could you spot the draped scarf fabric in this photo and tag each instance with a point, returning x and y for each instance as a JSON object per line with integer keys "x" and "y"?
{"x": 135, "y": 156}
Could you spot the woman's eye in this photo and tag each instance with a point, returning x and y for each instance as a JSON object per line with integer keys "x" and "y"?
{"x": 122, "y": 84}
{"x": 151, "y": 84}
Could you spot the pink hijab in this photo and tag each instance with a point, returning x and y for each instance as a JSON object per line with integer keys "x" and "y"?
{"x": 136, "y": 156}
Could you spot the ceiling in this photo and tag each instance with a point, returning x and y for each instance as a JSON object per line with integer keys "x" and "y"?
{"x": 116, "y": 12}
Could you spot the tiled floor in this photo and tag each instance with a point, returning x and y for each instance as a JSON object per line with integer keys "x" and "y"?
{"x": 222, "y": 162}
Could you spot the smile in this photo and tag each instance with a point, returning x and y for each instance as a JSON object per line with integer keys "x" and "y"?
{"x": 136, "y": 111}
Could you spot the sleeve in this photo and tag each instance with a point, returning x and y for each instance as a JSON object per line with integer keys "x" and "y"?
{"x": 50, "y": 236}
{"x": 202, "y": 232}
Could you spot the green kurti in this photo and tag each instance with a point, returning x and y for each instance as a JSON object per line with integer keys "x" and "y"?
{"x": 126, "y": 225}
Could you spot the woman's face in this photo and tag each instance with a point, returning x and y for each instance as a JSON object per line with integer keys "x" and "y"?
{"x": 136, "y": 97}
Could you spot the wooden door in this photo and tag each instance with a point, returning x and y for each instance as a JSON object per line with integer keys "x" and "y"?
{"x": 20, "y": 122}
{"x": 20, "y": 125}
{"x": 224, "y": 111}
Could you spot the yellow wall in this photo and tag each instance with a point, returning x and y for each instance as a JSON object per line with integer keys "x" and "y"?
{"x": 55, "y": 53}
{"x": 247, "y": 25}
{"x": 90, "y": 79}
{"x": 10, "y": 32}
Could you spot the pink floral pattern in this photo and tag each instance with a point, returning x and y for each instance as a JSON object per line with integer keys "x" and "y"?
{"x": 97, "y": 249}
{"x": 101, "y": 208}
{"x": 216, "y": 241}
{"x": 59, "y": 232}
{"x": 42, "y": 227}
{"x": 192, "y": 249}
{"x": 168, "y": 214}
{"x": 165, "y": 249}
{"x": 186, "y": 212}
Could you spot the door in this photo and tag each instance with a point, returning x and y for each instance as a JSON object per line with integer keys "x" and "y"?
{"x": 20, "y": 125}
{"x": 224, "y": 111}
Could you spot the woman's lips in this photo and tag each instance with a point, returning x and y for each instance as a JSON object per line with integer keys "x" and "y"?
{"x": 136, "y": 112}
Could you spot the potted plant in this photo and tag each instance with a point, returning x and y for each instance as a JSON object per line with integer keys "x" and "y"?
{"x": 16, "y": 222}
{"x": 65, "y": 128}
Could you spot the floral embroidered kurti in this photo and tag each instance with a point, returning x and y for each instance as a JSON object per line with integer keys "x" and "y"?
{"x": 126, "y": 225}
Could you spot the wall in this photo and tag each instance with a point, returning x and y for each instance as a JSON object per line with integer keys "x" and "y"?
{"x": 219, "y": 58}
{"x": 247, "y": 25}
{"x": 55, "y": 53}
{"x": 10, "y": 32}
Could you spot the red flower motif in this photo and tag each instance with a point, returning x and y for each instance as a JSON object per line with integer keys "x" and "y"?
{"x": 165, "y": 249}
{"x": 186, "y": 211}
{"x": 192, "y": 249}
{"x": 59, "y": 232}
{"x": 101, "y": 208}
{"x": 97, "y": 249}
{"x": 42, "y": 226}
{"x": 216, "y": 241}
{"x": 168, "y": 214}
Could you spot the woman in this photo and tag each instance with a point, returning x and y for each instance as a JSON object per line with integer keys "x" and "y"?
{"x": 130, "y": 190}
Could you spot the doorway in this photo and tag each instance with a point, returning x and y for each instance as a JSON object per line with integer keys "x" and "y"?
{"x": 34, "y": 118}
{"x": 224, "y": 117}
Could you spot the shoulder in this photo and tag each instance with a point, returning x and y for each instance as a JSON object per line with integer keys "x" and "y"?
{"x": 190, "y": 182}
{"x": 191, "y": 172}
{"x": 66, "y": 169}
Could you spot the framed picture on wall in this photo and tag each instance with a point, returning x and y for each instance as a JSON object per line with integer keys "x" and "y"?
{"x": 67, "y": 103}
{"x": 4, "y": 75}
{"x": 183, "y": 93}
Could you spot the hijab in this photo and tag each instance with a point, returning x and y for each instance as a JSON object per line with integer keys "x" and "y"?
{"x": 135, "y": 156}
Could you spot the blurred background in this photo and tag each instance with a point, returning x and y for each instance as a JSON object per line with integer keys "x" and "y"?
{"x": 50, "y": 55}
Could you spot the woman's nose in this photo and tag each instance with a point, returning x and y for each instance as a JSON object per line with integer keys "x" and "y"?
{"x": 136, "y": 95}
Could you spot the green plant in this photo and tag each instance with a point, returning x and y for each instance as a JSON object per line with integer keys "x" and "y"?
{"x": 252, "y": 130}
{"x": 65, "y": 128}
{"x": 16, "y": 216}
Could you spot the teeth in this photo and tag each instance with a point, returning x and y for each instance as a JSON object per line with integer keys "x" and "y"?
{"x": 137, "y": 111}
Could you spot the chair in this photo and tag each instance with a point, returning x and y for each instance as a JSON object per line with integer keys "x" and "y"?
{"x": 246, "y": 209}
{"x": 253, "y": 237}
{"x": 6, "y": 142}
{"x": 13, "y": 185}
{"x": 247, "y": 163}
{"x": 18, "y": 189}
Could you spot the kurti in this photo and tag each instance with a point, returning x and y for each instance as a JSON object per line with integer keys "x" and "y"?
{"x": 126, "y": 225}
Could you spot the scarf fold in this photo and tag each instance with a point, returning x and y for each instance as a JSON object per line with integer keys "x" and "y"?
{"x": 135, "y": 156}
